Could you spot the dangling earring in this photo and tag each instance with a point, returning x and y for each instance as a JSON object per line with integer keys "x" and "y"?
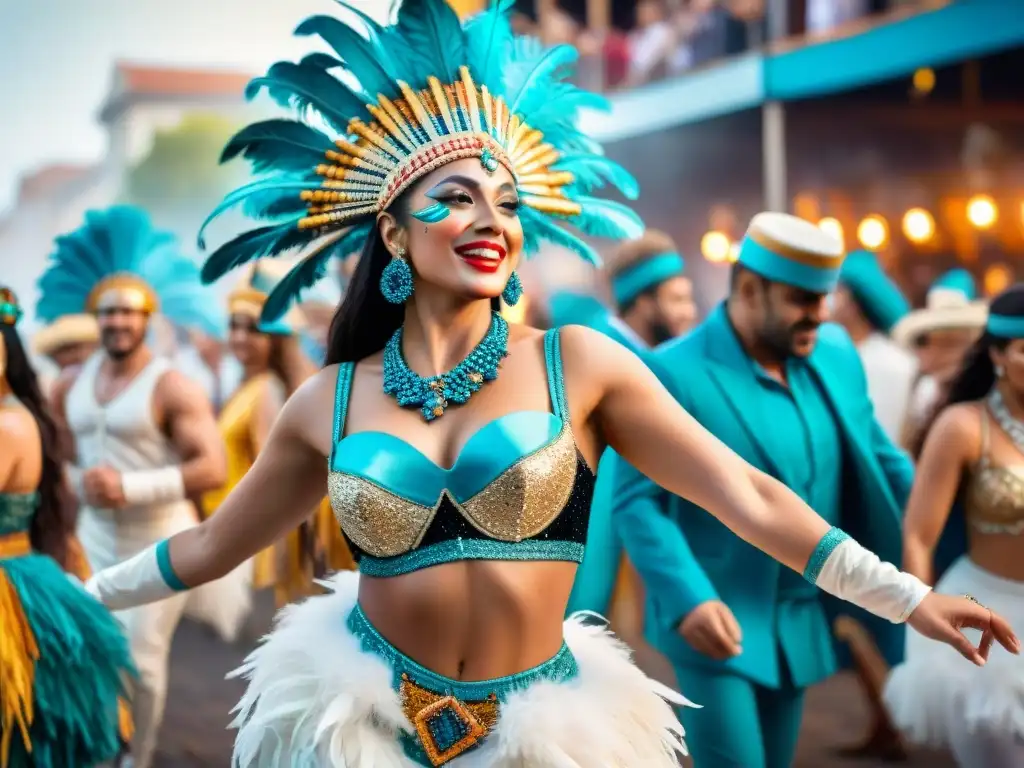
{"x": 513, "y": 290}
{"x": 396, "y": 279}
{"x": 999, "y": 371}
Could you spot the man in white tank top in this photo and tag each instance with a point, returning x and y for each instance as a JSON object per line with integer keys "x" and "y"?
{"x": 144, "y": 434}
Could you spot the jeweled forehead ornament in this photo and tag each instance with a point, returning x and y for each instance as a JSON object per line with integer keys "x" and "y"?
{"x": 417, "y": 94}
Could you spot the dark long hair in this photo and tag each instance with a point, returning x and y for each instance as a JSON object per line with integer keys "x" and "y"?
{"x": 977, "y": 374}
{"x": 365, "y": 320}
{"x": 52, "y": 525}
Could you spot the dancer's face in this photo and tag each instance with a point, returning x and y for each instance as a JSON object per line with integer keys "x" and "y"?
{"x": 250, "y": 347}
{"x": 1011, "y": 360}
{"x": 122, "y": 330}
{"x": 473, "y": 239}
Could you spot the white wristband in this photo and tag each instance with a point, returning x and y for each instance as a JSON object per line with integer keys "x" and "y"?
{"x": 137, "y": 581}
{"x": 75, "y": 479}
{"x": 842, "y": 567}
{"x": 153, "y": 486}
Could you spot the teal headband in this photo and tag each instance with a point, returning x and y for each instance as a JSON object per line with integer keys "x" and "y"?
{"x": 1005, "y": 326}
{"x": 630, "y": 283}
{"x": 785, "y": 269}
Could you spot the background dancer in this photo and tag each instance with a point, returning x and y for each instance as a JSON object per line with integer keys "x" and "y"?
{"x": 468, "y": 498}
{"x": 63, "y": 659}
{"x": 145, "y": 436}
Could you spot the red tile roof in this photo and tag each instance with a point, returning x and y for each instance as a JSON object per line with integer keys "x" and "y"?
{"x": 141, "y": 79}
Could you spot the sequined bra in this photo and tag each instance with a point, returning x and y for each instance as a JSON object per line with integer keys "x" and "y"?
{"x": 994, "y": 497}
{"x": 518, "y": 490}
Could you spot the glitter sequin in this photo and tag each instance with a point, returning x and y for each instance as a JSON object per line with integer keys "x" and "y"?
{"x": 994, "y": 497}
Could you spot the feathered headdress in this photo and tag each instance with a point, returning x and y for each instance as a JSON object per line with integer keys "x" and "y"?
{"x": 10, "y": 309}
{"x": 117, "y": 256}
{"x": 411, "y": 97}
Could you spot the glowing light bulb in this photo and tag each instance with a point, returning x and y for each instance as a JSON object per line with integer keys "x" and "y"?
{"x": 873, "y": 232}
{"x": 715, "y": 246}
{"x": 982, "y": 211}
{"x": 918, "y": 225}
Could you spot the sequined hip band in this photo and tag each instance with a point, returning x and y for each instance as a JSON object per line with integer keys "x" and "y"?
{"x": 450, "y": 716}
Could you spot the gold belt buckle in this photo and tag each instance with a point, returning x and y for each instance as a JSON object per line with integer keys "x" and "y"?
{"x": 446, "y": 726}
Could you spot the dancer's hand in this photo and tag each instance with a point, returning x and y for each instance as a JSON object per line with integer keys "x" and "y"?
{"x": 711, "y": 629}
{"x": 102, "y": 487}
{"x": 941, "y": 617}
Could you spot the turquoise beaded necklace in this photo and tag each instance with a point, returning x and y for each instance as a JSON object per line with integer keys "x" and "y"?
{"x": 433, "y": 394}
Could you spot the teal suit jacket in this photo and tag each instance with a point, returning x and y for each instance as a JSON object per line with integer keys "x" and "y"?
{"x": 710, "y": 375}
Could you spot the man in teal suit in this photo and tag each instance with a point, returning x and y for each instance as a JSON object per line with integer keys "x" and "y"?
{"x": 786, "y": 391}
{"x": 655, "y": 303}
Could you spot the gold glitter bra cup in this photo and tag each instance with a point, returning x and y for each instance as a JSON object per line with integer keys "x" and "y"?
{"x": 519, "y": 490}
{"x": 994, "y": 499}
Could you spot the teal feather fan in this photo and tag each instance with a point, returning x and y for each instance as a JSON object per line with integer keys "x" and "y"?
{"x": 122, "y": 240}
{"x": 397, "y": 98}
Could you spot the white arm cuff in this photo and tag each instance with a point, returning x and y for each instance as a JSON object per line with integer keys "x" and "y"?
{"x": 153, "y": 486}
{"x": 844, "y": 568}
{"x": 75, "y": 479}
{"x": 137, "y": 581}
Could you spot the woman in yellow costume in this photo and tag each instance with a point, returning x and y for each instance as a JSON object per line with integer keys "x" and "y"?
{"x": 62, "y": 655}
{"x": 273, "y": 367}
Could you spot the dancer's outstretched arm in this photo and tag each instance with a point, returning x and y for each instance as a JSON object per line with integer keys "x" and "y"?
{"x": 627, "y": 404}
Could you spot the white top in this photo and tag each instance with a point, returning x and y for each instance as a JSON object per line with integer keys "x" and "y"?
{"x": 122, "y": 434}
{"x": 890, "y": 373}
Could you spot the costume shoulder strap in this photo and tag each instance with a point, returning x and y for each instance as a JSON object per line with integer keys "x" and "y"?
{"x": 556, "y": 381}
{"x": 341, "y": 393}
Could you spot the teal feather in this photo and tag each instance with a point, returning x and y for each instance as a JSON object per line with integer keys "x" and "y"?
{"x": 281, "y": 145}
{"x": 433, "y": 33}
{"x": 488, "y": 40}
{"x": 543, "y": 227}
{"x": 594, "y": 171}
{"x": 606, "y": 218}
{"x": 536, "y": 86}
{"x": 83, "y": 667}
{"x": 322, "y": 61}
{"x": 277, "y": 185}
{"x": 304, "y": 87}
{"x": 254, "y": 244}
{"x": 366, "y": 61}
{"x": 307, "y": 273}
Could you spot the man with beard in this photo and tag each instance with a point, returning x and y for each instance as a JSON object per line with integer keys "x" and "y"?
{"x": 786, "y": 391}
{"x": 654, "y": 297}
{"x": 145, "y": 436}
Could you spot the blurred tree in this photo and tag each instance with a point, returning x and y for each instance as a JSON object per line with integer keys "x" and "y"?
{"x": 180, "y": 180}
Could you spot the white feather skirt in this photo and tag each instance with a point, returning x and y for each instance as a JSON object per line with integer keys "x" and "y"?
{"x": 936, "y": 691}
{"x": 316, "y": 699}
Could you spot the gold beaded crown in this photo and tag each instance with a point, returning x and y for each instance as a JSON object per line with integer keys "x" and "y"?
{"x": 444, "y": 91}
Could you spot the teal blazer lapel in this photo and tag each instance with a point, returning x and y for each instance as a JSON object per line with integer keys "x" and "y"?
{"x": 731, "y": 369}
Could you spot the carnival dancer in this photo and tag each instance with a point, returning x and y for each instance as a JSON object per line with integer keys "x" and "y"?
{"x": 974, "y": 451}
{"x": 463, "y": 486}
{"x": 788, "y": 393}
{"x": 145, "y": 436}
{"x": 868, "y": 304}
{"x": 63, "y": 659}
{"x": 939, "y": 335}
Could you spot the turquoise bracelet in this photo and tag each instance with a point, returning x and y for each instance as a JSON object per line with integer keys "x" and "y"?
{"x": 163, "y": 561}
{"x": 822, "y": 552}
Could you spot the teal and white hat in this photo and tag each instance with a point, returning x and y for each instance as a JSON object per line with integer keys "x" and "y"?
{"x": 787, "y": 249}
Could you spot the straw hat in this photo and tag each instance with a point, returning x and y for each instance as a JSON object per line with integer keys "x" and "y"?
{"x": 945, "y": 309}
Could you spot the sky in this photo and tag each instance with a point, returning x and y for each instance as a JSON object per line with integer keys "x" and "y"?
{"x": 57, "y": 59}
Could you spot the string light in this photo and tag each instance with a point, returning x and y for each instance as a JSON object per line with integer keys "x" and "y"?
{"x": 918, "y": 225}
{"x": 982, "y": 211}
{"x": 873, "y": 232}
{"x": 715, "y": 246}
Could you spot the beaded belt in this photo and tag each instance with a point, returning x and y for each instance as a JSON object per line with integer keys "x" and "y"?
{"x": 15, "y": 545}
{"x": 450, "y": 716}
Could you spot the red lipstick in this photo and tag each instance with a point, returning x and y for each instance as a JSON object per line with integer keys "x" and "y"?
{"x": 482, "y": 255}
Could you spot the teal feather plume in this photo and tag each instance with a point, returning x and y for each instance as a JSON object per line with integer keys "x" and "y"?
{"x": 254, "y": 244}
{"x": 280, "y": 145}
{"x": 544, "y": 228}
{"x": 433, "y": 33}
{"x": 365, "y": 60}
{"x": 275, "y": 185}
{"x": 488, "y": 40}
{"x": 304, "y": 87}
{"x": 535, "y": 88}
{"x": 595, "y": 171}
{"x": 322, "y": 61}
{"x": 606, "y": 218}
{"x": 305, "y": 274}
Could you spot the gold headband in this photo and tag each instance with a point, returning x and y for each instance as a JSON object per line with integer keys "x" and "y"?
{"x": 122, "y": 291}
{"x": 246, "y": 301}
